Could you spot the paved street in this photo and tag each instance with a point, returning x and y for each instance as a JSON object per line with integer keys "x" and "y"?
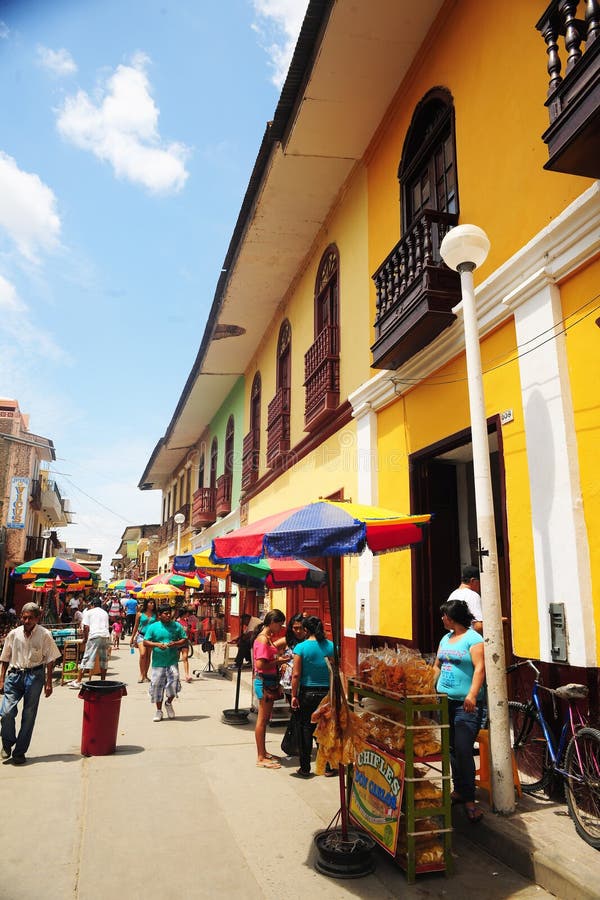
{"x": 181, "y": 810}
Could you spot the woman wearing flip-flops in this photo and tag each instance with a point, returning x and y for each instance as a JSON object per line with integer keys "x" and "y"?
{"x": 266, "y": 659}
{"x": 461, "y": 674}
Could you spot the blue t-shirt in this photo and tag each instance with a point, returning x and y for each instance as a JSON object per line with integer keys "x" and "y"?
{"x": 131, "y": 606}
{"x": 314, "y": 668}
{"x": 164, "y": 633}
{"x": 456, "y": 664}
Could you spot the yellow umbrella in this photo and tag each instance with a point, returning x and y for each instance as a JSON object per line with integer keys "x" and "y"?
{"x": 159, "y": 592}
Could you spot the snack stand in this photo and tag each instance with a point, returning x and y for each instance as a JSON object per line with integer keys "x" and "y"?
{"x": 402, "y": 716}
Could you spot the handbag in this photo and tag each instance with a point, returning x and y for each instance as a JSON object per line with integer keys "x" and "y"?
{"x": 272, "y": 691}
{"x": 290, "y": 743}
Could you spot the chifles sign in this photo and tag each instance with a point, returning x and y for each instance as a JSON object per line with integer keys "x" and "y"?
{"x": 376, "y": 799}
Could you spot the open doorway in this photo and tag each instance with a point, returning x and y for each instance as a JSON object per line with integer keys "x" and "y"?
{"x": 442, "y": 484}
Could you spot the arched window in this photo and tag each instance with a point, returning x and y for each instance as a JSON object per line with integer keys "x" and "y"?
{"x": 229, "y": 435}
{"x": 214, "y": 452}
{"x": 278, "y": 412}
{"x": 251, "y": 449}
{"x": 326, "y": 290}
{"x": 284, "y": 357}
{"x": 427, "y": 170}
{"x": 201, "y": 470}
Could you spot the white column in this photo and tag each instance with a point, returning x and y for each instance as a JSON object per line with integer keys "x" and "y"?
{"x": 561, "y": 550}
{"x": 367, "y": 585}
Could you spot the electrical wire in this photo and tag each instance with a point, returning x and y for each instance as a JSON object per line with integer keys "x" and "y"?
{"x": 98, "y": 502}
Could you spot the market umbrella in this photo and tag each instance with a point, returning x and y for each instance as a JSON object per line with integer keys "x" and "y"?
{"x": 274, "y": 573}
{"x": 52, "y": 567}
{"x": 178, "y": 581}
{"x": 160, "y": 592}
{"x": 200, "y": 564}
{"x": 125, "y": 584}
{"x": 325, "y": 528}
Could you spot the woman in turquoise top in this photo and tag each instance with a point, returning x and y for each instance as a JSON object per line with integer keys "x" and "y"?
{"x": 310, "y": 683}
{"x": 460, "y": 675}
{"x": 145, "y": 617}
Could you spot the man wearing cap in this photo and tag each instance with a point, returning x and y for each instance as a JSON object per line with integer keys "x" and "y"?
{"x": 468, "y": 590}
{"x": 96, "y": 636}
{"x": 26, "y": 665}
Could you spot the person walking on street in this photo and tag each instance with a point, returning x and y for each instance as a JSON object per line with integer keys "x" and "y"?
{"x": 96, "y": 637}
{"x": 131, "y": 607}
{"x": 26, "y": 665}
{"x": 164, "y": 638}
{"x": 145, "y": 617}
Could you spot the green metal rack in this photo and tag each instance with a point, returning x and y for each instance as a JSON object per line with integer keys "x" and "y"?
{"x": 414, "y": 706}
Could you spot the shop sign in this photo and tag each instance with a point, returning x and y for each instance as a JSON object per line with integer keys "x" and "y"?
{"x": 376, "y": 798}
{"x": 132, "y": 549}
{"x": 17, "y": 505}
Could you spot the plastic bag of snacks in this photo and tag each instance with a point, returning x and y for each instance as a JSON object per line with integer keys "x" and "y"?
{"x": 398, "y": 671}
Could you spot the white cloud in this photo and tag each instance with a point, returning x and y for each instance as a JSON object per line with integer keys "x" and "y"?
{"x": 4, "y": 31}
{"x": 278, "y": 28}
{"x": 120, "y": 126}
{"x": 59, "y": 62}
{"x": 27, "y": 210}
{"x": 18, "y": 331}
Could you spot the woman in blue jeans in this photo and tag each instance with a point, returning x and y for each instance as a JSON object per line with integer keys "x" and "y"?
{"x": 310, "y": 683}
{"x": 461, "y": 675}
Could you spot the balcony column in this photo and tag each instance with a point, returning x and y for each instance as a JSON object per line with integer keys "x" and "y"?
{"x": 560, "y": 538}
{"x": 367, "y": 585}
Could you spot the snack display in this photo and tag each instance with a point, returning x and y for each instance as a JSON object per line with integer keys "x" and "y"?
{"x": 335, "y": 735}
{"x": 386, "y": 727}
{"x": 397, "y": 672}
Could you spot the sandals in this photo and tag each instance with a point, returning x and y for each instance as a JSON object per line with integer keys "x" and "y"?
{"x": 473, "y": 814}
{"x": 268, "y": 764}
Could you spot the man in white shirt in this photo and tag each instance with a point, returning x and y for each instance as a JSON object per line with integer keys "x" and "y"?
{"x": 96, "y": 635}
{"x": 28, "y": 651}
{"x": 469, "y": 591}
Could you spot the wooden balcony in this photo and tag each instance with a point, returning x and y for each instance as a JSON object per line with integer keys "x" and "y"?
{"x": 573, "y": 100}
{"x": 322, "y": 378}
{"x": 223, "y": 506}
{"x": 35, "y": 497}
{"x": 278, "y": 427}
{"x": 204, "y": 507}
{"x": 415, "y": 292}
{"x": 250, "y": 459}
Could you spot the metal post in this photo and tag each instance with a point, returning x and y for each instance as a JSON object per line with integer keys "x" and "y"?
{"x": 495, "y": 664}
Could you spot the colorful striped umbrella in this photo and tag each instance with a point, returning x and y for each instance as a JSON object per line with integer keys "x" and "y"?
{"x": 53, "y": 567}
{"x": 200, "y": 564}
{"x": 273, "y": 573}
{"x": 125, "y": 584}
{"x": 159, "y": 592}
{"x": 322, "y": 528}
{"x": 178, "y": 581}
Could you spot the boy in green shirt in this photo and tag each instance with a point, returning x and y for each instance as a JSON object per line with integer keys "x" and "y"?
{"x": 164, "y": 638}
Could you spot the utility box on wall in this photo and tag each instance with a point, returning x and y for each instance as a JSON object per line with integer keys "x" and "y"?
{"x": 558, "y": 632}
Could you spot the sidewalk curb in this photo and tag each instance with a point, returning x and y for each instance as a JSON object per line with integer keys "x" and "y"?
{"x": 505, "y": 838}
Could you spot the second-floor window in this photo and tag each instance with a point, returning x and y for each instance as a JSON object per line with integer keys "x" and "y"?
{"x": 326, "y": 291}
{"x": 428, "y": 167}
{"x": 214, "y": 451}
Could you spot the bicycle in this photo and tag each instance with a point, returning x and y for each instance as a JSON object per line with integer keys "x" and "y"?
{"x": 540, "y": 760}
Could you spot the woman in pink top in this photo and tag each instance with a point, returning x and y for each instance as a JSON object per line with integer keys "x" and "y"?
{"x": 266, "y": 674}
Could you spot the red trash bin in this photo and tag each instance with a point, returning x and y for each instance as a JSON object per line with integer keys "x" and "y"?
{"x": 101, "y": 708}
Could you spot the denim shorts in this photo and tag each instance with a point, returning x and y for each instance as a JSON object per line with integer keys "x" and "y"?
{"x": 261, "y": 680}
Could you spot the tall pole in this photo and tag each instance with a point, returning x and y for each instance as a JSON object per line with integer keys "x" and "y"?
{"x": 463, "y": 249}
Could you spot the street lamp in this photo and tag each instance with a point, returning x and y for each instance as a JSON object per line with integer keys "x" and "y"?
{"x": 146, "y": 558}
{"x": 46, "y": 534}
{"x": 179, "y": 519}
{"x": 464, "y": 248}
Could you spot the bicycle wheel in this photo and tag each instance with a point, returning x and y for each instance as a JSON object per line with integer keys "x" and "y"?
{"x": 529, "y": 746}
{"x": 582, "y": 785}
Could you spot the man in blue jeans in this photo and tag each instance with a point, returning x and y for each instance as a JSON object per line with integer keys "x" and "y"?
{"x": 26, "y": 665}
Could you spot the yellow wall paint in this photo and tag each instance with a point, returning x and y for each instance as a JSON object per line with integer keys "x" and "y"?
{"x": 347, "y": 229}
{"x": 432, "y": 412}
{"x": 494, "y": 64}
{"x": 579, "y": 297}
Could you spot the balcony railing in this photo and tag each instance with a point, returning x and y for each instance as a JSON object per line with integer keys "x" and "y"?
{"x": 52, "y": 503}
{"x": 204, "y": 509}
{"x": 573, "y": 100}
{"x": 250, "y": 458}
{"x": 224, "y": 495}
{"x": 278, "y": 427}
{"x": 322, "y": 378}
{"x": 415, "y": 292}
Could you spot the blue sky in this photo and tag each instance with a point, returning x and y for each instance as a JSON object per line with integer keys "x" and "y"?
{"x": 128, "y": 131}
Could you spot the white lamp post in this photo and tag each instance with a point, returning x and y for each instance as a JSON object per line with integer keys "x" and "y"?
{"x": 46, "y": 534}
{"x": 463, "y": 249}
{"x": 146, "y": 558}
{"x": 179, "y": 519}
